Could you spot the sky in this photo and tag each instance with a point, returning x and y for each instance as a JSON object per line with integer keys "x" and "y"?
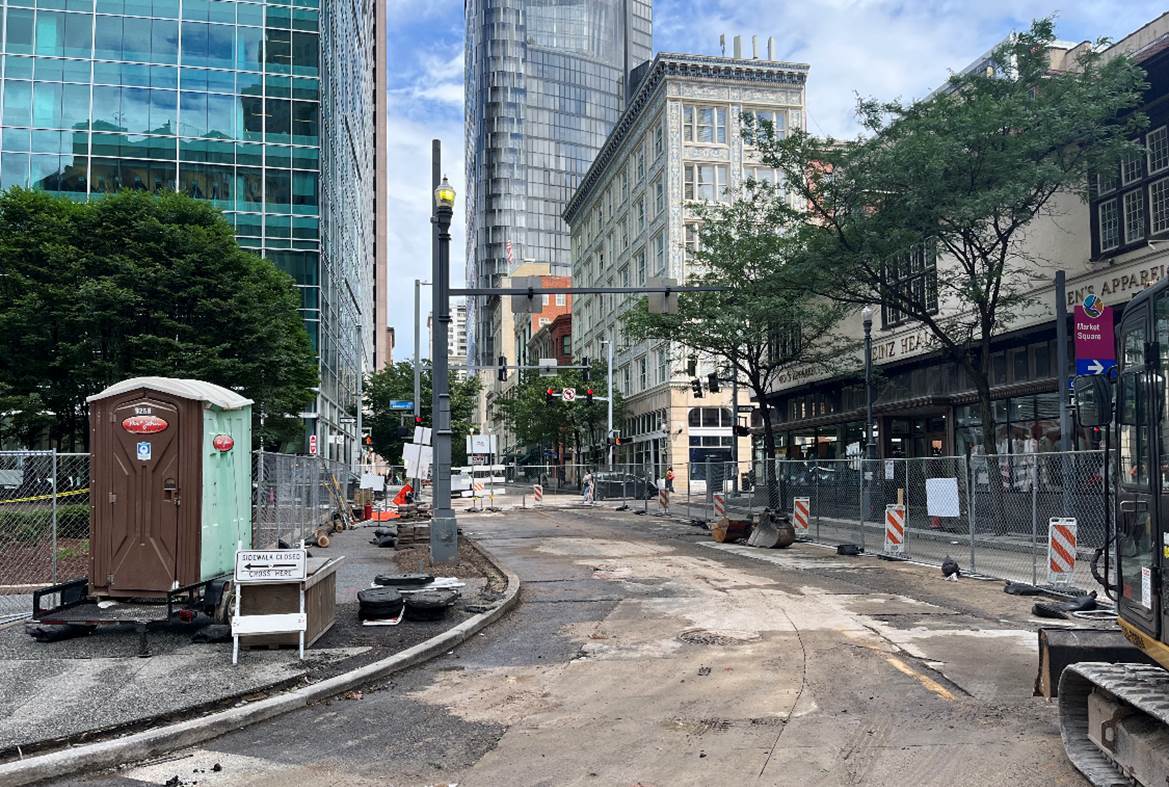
{"x": 873, "y": 48}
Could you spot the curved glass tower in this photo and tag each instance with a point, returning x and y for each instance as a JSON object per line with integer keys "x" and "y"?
{"x": 546, "y": 81}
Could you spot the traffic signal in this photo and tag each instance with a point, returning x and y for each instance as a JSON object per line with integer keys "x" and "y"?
{"x": 696, "y": 385}
{"x": 503, "y": 368}
{"x": 550, "y": 396}
{"x": 418, "y": 420}
{"x": 742, "y": 430}
{"x": 712, "y": 382}
{"x": 588, "y": 395}
{"x": 586, "y": 373}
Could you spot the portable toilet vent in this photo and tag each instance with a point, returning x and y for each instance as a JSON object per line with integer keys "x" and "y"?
{"x": 170, "y": 486}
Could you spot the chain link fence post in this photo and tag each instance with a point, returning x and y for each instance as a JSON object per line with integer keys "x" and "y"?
{"x": 53, "y": 481}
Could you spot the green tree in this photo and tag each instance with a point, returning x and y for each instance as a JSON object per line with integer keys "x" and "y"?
{"x": 961, "y": 174}
{"x": 137, "y": 284}
{"x": 390, "y": 430}
{"x": 578, "y": 426}
{"x": 762, "y": 320}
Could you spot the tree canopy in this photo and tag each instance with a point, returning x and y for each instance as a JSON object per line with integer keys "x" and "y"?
{"x": 390, "y": 429}
{"x": 138, "y": 284}
{"x": 961, "y": 175}
{"x": 763, "y": 320}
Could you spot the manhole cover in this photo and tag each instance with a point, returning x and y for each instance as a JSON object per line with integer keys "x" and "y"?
{"x": 717, "y": 637}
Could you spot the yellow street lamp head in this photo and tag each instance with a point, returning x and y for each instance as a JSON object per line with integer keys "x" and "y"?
{"x": 444, "y": 195}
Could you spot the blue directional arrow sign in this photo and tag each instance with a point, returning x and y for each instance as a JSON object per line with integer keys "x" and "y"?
{"x": 1094, "y": 365}
{"x": 401, "y": 404}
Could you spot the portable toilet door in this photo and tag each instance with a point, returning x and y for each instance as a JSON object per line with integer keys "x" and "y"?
{"x": 146, "y": 480}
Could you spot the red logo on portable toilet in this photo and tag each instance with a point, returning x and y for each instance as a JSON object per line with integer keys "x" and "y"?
{"x": 222, "y": 442}
{"x": 894, "y": 529}
{"x": 720, "y": 505}
{"x": 144, "y": 424}
{"x": 1061, "y": 549}
{"x": 538, "y": 492}
{"x": 801, "y": 513}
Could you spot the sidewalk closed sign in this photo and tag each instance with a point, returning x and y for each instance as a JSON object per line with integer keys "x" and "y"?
{"x": 272, "y": 565}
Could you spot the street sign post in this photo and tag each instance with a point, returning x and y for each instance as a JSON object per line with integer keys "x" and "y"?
{"x": 312, "y": 445}
{"x": 1094, "y": 336}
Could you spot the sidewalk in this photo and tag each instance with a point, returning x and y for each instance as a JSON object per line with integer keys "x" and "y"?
{"x": 84, "y": 688}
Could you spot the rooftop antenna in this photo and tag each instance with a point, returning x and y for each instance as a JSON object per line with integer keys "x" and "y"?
{"x": 722, "y": 43}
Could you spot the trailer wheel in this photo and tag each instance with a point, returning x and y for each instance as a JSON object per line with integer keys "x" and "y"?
{"x": 226, "y": 604}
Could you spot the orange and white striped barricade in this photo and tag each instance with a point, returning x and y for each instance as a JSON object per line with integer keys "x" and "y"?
{"x": 1061, "y": 550}
{"x": 664, "y": 499}
{"x": 538, "y": 493}
{"x": 801, "y": 515}
{"x": 720, "y": 505}
{"x": 895, "y": 530}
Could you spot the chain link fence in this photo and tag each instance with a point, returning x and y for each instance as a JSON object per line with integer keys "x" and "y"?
{"x": 44, "y": 524}
{"x": 45, "y": 514}
{"x": 992, "y": 514}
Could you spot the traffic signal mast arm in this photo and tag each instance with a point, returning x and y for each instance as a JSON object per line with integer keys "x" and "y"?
{"x": 533, "y": 291}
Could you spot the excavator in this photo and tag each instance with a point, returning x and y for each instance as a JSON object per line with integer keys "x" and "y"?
{"x": 1114, "y": 701}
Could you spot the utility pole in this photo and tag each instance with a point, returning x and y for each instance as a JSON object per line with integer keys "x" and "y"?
{"x": 735, "y": 420}
{"x": 609, "y": 375}
{"x": 444, "y": 545}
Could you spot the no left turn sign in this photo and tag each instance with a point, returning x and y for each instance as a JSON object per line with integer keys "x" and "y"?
{"x": 568, "y": 394}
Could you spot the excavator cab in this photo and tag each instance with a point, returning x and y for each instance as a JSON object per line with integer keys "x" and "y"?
{"x": 1114, "y": 702}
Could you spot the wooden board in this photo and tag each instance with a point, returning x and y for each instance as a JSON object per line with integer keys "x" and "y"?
{"x": 320, "y": 604}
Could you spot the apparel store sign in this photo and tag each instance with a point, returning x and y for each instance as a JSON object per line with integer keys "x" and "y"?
{"x": 1116, "y": 287}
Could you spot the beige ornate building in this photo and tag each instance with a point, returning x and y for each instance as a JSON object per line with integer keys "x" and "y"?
{"x": 679, "y": 142}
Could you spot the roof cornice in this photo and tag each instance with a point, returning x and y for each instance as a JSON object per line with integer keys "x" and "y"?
{"x": 671, "y": 64}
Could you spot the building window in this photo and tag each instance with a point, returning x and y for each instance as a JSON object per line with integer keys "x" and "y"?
{"x": 705, "y": 182}
{"x": 624, "y": 185}
{"x": 1159, "y": 206}
{"x": 659, "y": 140}
{"x": 660, "y": 253}
{"x": 659, "y": 196}
{"x": 625, "y": 379}
{"x": 566, "y": 345}
{"x": 912, "y": 277}
{"x": 545, "y": 301}
{"x": 639, "y": 262}
{"x": 642, "y": 381}
{"x": 1157, "y": 150}
{"x": 784, "y": 344}
{"x": 1105, "y": 182}
{"x": 624, "y": 233}
{"x": 561, "y": 298}
{"x": 1134, "y": 216}
{"x": 624, "y": 275}
{"x": 773, "y": 119}
{"x": 704, "y": 124}
{"x": 663, "y": 365}
{"x": 640, "y": 214}
{"x": 640, "y": 162}
{"x": 692, "y": 243}
{"x": 760, "y": 174}
{"x": 1131, "y": 170}
{"x": 1109, "y": 218}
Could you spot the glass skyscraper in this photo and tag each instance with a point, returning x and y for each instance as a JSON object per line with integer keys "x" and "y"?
{"x": 264, "y": 109}
{"x": 545, "y": 83}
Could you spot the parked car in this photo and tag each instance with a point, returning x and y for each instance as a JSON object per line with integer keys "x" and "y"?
{"x": 616, "y": 485}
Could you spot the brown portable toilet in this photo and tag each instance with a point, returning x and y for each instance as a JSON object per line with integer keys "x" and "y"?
{"x": 170, "y": 486}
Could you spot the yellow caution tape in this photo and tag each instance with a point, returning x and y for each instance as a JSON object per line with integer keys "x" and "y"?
{"x": 45, "y": 497}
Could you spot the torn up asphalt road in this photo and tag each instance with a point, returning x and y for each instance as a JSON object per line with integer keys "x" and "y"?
{"x": 643, "y": 653}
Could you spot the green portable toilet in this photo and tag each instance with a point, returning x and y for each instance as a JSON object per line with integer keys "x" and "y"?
{"x": 170, "y": 486}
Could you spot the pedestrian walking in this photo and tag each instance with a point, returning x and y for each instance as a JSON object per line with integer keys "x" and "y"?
{"x": 586, "y": 489}
{"x": 669, "y": 479}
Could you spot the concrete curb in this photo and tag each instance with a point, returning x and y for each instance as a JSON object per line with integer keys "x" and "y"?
{"x": 152, "y": 743}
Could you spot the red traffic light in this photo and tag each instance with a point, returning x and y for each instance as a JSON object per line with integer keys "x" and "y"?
{"x": 417, "y": 419}
{"x": 550, "y": 396}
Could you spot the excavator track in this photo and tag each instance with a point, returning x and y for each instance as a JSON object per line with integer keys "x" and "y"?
{"x": 1142, "y": 686}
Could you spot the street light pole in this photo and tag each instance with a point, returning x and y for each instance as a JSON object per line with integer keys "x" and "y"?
{"x": 870, "y": 446}
{"x": 444, "y": 544}
{"x": 417, "y": 346}
{"x": 609, "y": 375}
